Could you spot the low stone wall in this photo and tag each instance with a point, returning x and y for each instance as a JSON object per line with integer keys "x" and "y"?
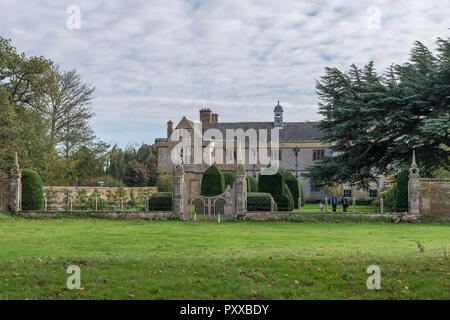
{"x": 434, "y": 197}
{"x": 56, "y": 195}
{"x": 282, "y": 215}
{"x": 146, "y": 215}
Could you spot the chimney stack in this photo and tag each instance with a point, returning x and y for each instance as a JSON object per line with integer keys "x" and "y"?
{"x": 169, "y": 128}
{"x": 215, "y": 118}
{"x": 205, "y": 115}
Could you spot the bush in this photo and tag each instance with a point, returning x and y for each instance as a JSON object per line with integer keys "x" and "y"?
{"x": 32, "y": 194}
{"x": 229, "y": 178}
{"x": 295, "y": 187}
{"x": 213, "y": 182}
{"x": 401, "y": 192}
{"x": 161, "y": 201}
{"x": 283, "y": 202}
{"x": 164, "y": 183}
{"x": 288, "y": 193}
{"x": 252, "y": 184}
{"x": 259, "y": 201}
{"x": 272, "y": 184}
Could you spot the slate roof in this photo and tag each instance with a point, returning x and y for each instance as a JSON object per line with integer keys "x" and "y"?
{"x": 290, "y": 132}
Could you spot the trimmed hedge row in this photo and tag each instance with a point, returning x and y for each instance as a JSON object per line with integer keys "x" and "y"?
{"x": 401, "y": 191}
{"x": 259, "y": 201}
{"x": 161, "y": 201}
{"x": 229, "y": 178}
{"x": 295, "y": 187}
{"x": 272, "y": 184}
{"x": 252, "y": 184}
{"x": 32, "y": 194}
{"x": 213, "y": 182}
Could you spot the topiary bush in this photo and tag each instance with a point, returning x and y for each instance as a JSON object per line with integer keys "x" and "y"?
{"x": 288, "y": 193}
{"x": 258, "y": 201}
{"x": 252, "y": 184}
{"x": 213, "y": 182}
{"x": 401, "y": 191}
{"x": 161, "y": 201}
{"x": 295, "y": 187}
{"x": 272, "y": 184}
{"x": 32, "y": 194}
{"x": 229, "y": 178}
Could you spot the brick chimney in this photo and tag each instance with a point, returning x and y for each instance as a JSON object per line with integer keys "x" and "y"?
{"x": 169, "y": 128}
{"x": 205, "y": 115}
{"x": 215, "y": 118}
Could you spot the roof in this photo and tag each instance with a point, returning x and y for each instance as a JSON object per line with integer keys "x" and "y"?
{"x": 278, "y": 108}
{"x": 290, "y": 132}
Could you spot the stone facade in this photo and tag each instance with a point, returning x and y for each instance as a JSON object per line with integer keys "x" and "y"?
{"x": 291, "y": 134}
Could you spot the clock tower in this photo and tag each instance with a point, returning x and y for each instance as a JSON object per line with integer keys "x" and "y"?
{"x": 278, "y": 116}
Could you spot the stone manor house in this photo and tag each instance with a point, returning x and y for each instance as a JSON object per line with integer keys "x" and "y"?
{"x": 293, "y": 136}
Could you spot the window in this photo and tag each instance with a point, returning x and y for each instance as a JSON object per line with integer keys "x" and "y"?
{"x": 186, "y": 155}
{"x": 347, "y": 193}
{"x": 318, "y": 154}
{"x": 373, "y": 193}
{"x": 276, "y": 155}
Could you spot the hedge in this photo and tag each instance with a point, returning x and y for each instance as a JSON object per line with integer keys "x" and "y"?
{"x": 288, "y": 193}
{"x": 229, "y": 178}
{"x": 252, "y": 184}
{"x": 272, "y": 184}
{"x": 259, "y": 201}
{"x": 161, "y": 201}
{"x": 32, "y": 194}
{"x": 295, "y": 187}
{"x": 283, "y": 202}
{"x": 401, "y": 191}
{"x": 213, "y": 182}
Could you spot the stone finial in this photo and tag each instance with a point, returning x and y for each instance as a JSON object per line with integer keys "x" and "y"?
{"x": 414, "y": 168}
{"x": 15, "y": 170}
{"x": 178, "y": 169}
{"x": 240, "y": 169}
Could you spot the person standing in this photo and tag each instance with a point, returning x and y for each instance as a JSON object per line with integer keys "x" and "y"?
{"x": 334, "y": 202}
{"x": 344, "y": 204}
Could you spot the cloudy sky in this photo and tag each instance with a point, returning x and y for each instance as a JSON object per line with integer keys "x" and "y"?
{"x": 156, "y": 60}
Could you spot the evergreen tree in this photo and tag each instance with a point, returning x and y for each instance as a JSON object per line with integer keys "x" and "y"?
{"x": 374, "y": 121}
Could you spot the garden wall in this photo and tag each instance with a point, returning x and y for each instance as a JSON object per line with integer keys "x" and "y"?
{"x": 434, "y": 199}
{"x": 57, "y": 195}
{"x": 149, "y": 215}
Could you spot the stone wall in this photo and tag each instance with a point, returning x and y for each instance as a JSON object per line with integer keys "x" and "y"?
{"x": 434, "y": 197}
{"x": 4, "y": 194}
{"x": 57, "y": 195}
{"x": 146, "y": 215}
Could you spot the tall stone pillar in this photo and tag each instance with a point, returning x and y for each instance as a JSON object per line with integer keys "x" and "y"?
{"x": 15, "y": 184}
{"x": 241, "y": 190}
{"x": 414, "y": 187}
{"x": 178, "y": 191}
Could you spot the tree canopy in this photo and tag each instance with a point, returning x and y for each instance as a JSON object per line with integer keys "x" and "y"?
{"x": 373, "y": 121}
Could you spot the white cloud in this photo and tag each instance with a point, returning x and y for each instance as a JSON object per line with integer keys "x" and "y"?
{"x": 152, "y": 61}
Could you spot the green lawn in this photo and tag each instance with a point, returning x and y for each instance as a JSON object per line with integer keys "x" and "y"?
{"x": 240, "y": 260}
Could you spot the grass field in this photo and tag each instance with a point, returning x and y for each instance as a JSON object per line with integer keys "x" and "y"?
{"x": 240, "y": 260}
